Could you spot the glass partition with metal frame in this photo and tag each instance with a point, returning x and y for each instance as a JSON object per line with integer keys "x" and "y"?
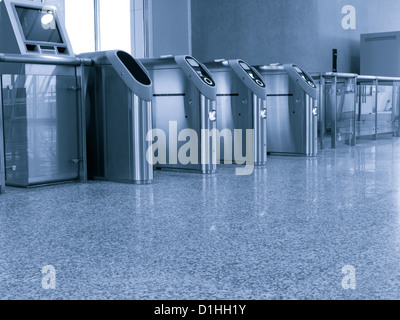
{"x": 41, "y": 129}
{"x": 353, "y": 106}
{"x": 43, "y": 121}
{"x": 338, "y": 99}
{"x": 378, "y": 106}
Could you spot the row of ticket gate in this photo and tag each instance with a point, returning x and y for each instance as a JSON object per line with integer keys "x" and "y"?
{"x": 106, "y": 115}
{"x": 123, "y": 99}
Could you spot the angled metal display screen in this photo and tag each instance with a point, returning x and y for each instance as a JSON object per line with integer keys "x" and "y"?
{"x": 306, "y": 78}
{"x": 200, "y": 71}
{"x": 38, "y": 25}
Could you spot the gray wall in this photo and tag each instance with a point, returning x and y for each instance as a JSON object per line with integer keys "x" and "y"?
{"x": 299, "y": 31}
{"x": 170, "y": 32}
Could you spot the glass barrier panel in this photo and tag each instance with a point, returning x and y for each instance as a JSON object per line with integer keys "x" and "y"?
{"x": 41, "y": 130}
{"x": 376, "y": 112}
{"x": 339, "y": 99}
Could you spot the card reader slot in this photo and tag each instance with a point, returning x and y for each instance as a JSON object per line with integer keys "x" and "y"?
{"x": 134, "y": 68}
{"x": 170, "y": 95}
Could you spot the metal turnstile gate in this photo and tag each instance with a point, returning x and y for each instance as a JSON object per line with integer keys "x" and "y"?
{"x": 242, "y": 108}
{"x": 184, "y": 113}
{"x": 118, "y": 104}
{"x": 292, "y": 110}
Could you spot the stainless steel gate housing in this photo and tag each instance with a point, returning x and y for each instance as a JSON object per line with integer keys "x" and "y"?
{"x": 292, "y": 110}
{"x": 184, "y": 98}
{"x": 241, "y": 105}
{"x": 118, "y": 93}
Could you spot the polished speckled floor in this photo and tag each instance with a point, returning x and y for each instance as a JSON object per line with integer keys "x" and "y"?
{"x": 283, "y": 233}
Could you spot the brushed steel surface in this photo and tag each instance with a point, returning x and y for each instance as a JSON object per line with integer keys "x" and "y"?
{"x": 238, "y": 109}
{"x": 311, "y": 126}
{"x": 43, "y": 59}
{"x": 234, "y": 107}
{"x": 260, "y": 130}
{"x": 141, "y": 115}
{"x": 189, "y": 112}
{"x": 292, "y": 126}
{"x": 117, "y": 124}
{"x": 208, "y": 143}
{"x": 178, "y": 101}
{"x": 170, "y": 81}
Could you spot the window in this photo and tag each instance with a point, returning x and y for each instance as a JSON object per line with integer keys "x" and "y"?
{"x": 115, "y": 21}
{"x": 79, "y": 22}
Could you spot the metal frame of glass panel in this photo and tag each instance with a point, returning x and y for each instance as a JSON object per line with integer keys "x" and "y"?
{"x": 348, "y": 115}
{"x": 74, "y": 86}
{"x": 332, "y": 110}
{"x": 378, "y": 121}
{"x": 41, "y": 98}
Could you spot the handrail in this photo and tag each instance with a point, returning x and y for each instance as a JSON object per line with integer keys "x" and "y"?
{"x": 339, "y": 75}
{"x": 50, "y": 60}
{"x": 367, "y": 78}
{"x": 390, "y": 79}
{"x": 360, "y": 78}
{"x": 377, "y": 78}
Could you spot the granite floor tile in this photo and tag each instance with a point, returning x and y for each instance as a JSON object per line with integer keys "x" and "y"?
{"x": 285, "y": 232}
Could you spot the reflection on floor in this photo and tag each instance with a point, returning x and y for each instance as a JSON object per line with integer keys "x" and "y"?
{"x": 284, "y": 233}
